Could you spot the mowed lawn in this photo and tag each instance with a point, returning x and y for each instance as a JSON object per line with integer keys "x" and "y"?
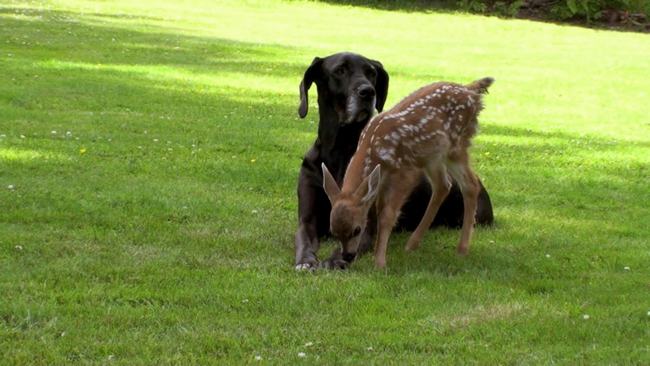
{"x": 149, "y": 155}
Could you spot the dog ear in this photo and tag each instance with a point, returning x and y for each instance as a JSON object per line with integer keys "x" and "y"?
{"x": 311, "y": 74}
{"x": 381, "y": 86}
{"x": 329, "y": 184}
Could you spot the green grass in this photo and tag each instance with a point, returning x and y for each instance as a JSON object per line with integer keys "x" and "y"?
{"x": 156, "y": 225}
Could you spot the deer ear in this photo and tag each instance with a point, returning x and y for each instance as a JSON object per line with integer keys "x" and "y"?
{"x": 311, "y": 74}
{"x": 370, "y": 186}
{"x": 329, "y": 185}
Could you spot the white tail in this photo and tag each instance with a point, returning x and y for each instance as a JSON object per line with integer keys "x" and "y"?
{"x": 428, "y": 132}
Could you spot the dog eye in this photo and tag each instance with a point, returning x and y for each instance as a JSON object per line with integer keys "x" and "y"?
{"x": 357, "y": 231}
{"x": 340, "y": 71}
{"x": 370, "y": 72}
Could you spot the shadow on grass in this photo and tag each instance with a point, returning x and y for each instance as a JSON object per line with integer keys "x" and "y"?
{"x": 116, "y": 44}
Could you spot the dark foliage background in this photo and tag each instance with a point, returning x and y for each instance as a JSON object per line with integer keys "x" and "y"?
{"x": 626, "y": 13}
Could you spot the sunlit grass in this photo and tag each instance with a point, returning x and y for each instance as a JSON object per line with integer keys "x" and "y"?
{"x": 27, "y": 156}
{"x": 156, "y": 225}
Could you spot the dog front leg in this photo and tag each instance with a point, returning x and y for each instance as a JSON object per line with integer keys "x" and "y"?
{"x": 307, "y": 245}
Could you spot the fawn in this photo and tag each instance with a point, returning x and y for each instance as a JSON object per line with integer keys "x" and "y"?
{"x": 427, "y": 132}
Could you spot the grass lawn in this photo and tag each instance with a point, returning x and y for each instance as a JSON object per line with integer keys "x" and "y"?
{"x": 149, "y": 155}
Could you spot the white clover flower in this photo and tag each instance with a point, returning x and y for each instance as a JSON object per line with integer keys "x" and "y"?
{"x": 11, "y": 187}
{"x": 585, "y": 317}
{"x": 258, "y": 358}
{"x": 302, "y": 354}
{"x": 309, "y": 344}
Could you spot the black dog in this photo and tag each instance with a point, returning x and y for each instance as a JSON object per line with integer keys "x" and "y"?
{"x": 350, "y": 87}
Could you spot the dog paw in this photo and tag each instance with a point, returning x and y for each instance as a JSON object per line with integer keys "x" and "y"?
{"x": 305, "y": 267}
{"x": 334, "y": 263}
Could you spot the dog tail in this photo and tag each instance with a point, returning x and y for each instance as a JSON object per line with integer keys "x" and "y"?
{"x": 480, "y": 86}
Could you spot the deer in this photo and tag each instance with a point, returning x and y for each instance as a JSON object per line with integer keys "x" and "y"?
{"x": 429, "y": 132}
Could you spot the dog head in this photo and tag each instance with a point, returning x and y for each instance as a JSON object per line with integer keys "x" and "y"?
{"x": 349, "y": 84}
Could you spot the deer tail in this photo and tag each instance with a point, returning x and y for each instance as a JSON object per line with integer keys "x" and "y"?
{"x": 481, "y": 86}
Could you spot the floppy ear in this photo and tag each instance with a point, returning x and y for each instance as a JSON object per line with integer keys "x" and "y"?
{"x": 311, "y": 74}
{"x": 370, "y": 186}
{"x": 381, "y": 86}
{"x": 329, "y": 185}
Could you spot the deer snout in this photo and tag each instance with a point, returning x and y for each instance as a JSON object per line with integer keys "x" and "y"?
{"x": 349, "y": 257}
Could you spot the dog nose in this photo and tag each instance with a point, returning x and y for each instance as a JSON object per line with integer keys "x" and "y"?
{"x": 366, "y": 91}
{"x": 349, "y": 257}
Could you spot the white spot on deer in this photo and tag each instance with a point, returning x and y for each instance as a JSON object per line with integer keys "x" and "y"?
{"x": 386, "y": 154}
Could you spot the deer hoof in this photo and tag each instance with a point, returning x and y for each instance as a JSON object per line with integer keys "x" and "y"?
{"x": 412, "y": 245}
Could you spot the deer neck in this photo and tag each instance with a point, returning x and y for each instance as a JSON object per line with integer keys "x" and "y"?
{"x": 359, "y": 167}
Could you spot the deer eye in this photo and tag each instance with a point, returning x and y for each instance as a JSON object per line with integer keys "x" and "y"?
{"x": 357, "y": 231}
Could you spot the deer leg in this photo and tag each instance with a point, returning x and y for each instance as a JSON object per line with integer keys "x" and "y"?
{"x": 469, "y": 187}
{"x": 387, "y": 211}
{"x": 440, "y": 189}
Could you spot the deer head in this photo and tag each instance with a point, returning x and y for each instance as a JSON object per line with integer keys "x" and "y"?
{"x": 349, "y": 214}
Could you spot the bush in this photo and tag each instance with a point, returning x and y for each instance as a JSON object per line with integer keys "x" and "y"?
{"x": 595, "y": 9}
{"x": 588, "y": 10}
{"x": 501, "y": 7}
